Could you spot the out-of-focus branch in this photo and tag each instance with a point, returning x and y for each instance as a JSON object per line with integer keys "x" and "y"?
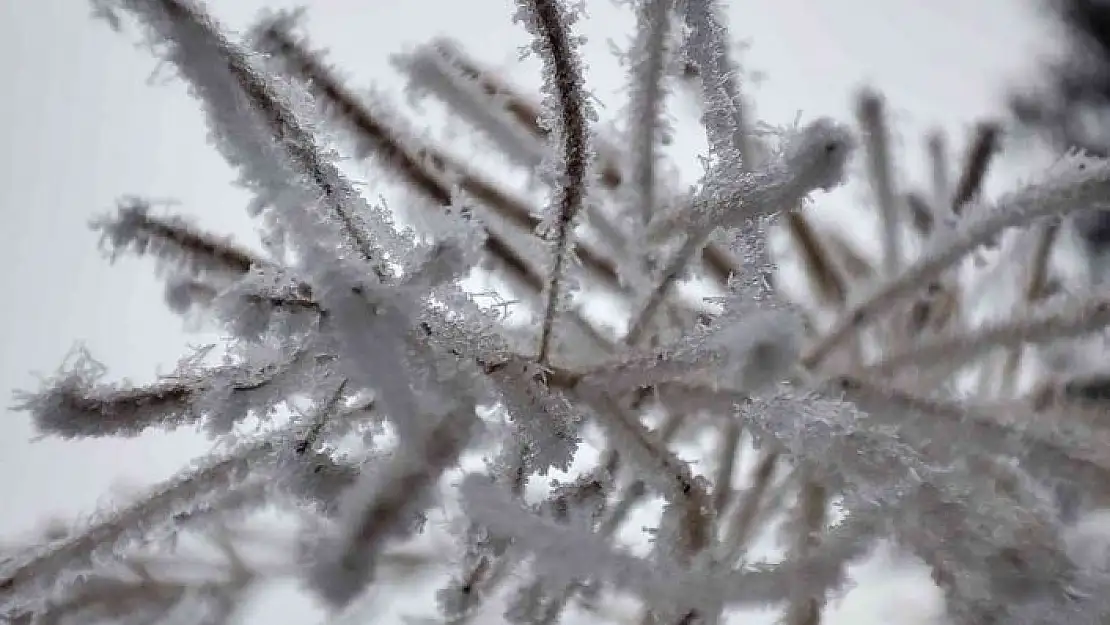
{"x": 442, "y": 65}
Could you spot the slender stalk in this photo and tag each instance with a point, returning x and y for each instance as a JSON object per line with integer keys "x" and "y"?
{"x": 547, "y": 19}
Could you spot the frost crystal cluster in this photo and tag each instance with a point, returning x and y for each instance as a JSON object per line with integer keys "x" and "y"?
{"x": 939, "y": 387}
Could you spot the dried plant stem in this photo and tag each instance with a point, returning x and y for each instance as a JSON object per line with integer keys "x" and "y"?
{"x": 171, "y": 499}
{"x": 424, "y": 168}
{"x": 740, "y": 530}
{"x": 803, "y": 608}
{"x": 727, "y": 130}
{"x": 727, "y": 455}
{"x": 872, "y": 119}
{"x": 312, "y": 433}
{"x": 640, "y": 326}
{"x": 484, "y": 578}
{"x": 616, "y": 514}
{"x": 1035, "y": 287}
{"x": 135, "y": 225}
{"x": 717, "y": 259}
{"x": 413, "y": 164}
{"x": 938, "y": 168}
{"x": 823, "y": 275}
{"x": 987, "y": 429}
{"x": 1011, "y": 334}
{"x": 653, "y": 26}
{"x": 547, "y": 20}
{"x": 725, "y": 119}
{"x": 671, "y": 475}
{"x": 523, "y": 111}
{"x": 346, "y": 571}
{"x": 1015, "y": 211}
{"x": 983, "y": 147}
{"x": 922, "y": 219}
{"x": 197, "y": 34}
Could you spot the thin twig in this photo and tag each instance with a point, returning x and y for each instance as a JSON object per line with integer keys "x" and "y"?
{"x": 983, "y": 147}
{"x": 547, "y": 19}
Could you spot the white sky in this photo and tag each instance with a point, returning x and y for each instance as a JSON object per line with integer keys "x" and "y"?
{"x": 82, "y": 125}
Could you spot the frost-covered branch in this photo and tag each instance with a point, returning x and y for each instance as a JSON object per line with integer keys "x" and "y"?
{"x": 1079, "y": 185}
{"x": 549, "y": 22}
{"x": 77, "y": 405}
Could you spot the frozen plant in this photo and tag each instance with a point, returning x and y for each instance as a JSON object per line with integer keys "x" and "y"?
{"x": 943, "y": 392}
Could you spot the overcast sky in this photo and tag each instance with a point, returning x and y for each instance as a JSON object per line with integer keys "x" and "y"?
{"x": 84, "y": 118}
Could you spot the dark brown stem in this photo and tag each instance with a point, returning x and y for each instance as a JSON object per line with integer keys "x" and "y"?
{"x": 564, "y": 66}
{"x": 982, "y": 150}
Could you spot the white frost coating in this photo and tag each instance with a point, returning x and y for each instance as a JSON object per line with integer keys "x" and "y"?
{"x": 31, "y": 581}
{"x": 260, "y": 133}
{"x": 647, "y": 125}
{"x": 568, "y": 553}
{"x": 724, "y": 118}
{"x": 1077, "y": 183}
{"x": 174, "y": 241}
{"x": 75, "y": 403}
{"x": 386, "y": 503}
{"x": 446, "y": 262}
{"x": 747, "y": 353}
{"x": 814, "y": 160}
{"x": 758, "y": 349}
{"x": 544, "y": 421}
{"x": 370, "y": 325}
